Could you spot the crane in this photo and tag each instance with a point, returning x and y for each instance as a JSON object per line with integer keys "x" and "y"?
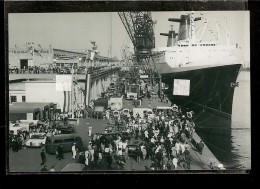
{"x": 140, "y": 28}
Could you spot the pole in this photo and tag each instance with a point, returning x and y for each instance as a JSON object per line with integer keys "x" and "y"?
{"x": 87, "y": 89}
{"x": 160, "y": 85}
{"x": 111, "y": 35}
{"x": 72, "y": 111}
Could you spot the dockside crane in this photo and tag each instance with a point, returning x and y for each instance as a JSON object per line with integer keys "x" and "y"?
{"x": 140, "y": 28}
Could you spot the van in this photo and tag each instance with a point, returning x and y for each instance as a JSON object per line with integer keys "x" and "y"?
{"x": 66, "y": 140}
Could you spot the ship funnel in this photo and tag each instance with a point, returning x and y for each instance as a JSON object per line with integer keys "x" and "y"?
{"x": 171, "y": 38}
{"x": 186, "y": 27}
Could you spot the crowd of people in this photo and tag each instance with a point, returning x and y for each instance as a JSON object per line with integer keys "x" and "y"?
{"x": 166, "y": 141}
{"x": 54, "y": 69}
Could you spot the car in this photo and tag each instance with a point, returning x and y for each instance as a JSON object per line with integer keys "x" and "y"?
{"x": 36, "y": 140}
{"x": 116, "y": 113}
{"x": 66, "y": 130}
{"x": 109, "y": 136}
{"x": 126, "y": 112}
{"x": 133, "y": 147}
{"x": 16, "y": 128}
{"x": 150, "y": 114}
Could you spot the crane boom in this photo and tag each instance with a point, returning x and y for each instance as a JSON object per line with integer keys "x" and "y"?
{"x": 139, "y": 26}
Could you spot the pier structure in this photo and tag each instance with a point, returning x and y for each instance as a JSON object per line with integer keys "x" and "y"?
{"x": 85, "y": 88}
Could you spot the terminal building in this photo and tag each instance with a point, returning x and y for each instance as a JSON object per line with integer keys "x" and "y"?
{"x": 24, "y": 93}
{"x": 30, "y": 55}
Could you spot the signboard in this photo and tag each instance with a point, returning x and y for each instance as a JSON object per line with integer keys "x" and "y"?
{"x": 63, "y": 82}
{"x": 181, "y": 87}
{"x": 143, "y": 76}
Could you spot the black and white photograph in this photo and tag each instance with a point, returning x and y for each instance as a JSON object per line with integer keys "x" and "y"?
{"x": 137, "y": 91}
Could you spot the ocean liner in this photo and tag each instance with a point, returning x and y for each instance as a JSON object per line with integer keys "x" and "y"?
{"x": 201, "y": 75}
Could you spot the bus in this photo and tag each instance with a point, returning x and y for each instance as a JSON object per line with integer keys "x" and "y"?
{"x": 66, "y": 140}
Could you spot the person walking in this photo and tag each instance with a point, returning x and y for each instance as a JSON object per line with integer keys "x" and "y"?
{"x": 138, "y": 155}
{"x": 43, "y": 157}
{"x": 200, "y": 147}
{"x": 188, "y": 159}
{"x": 87, "y": 156}
{"x": 74, "y": 152}
{"x": 60, "y": 153}
{"x": 175, "y": 162}
{"x": 144, "y": 153}
{"x": 109, "y": 161}
{"x": 89, "y": 131}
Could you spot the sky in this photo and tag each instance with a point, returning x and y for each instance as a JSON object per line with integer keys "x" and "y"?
{"x": 74, "y": 31}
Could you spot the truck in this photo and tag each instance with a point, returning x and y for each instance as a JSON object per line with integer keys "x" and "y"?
{"x": 116, "y": 103}
{"x": 132, "y": 91}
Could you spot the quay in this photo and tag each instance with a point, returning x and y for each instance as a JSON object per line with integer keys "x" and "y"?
{"x": 21, "y": 161}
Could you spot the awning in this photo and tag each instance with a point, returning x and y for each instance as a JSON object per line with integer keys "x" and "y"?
{"x": 25, "y": 107}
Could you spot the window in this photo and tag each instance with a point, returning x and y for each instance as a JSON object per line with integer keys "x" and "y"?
{"x": 58, "y": 141}
{"x": 23, "y": 99}
{"x": 69, "y": 140}
{"x": 13, "y": 99}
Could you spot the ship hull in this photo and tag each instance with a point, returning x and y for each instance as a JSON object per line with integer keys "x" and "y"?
{"x": 210, "y": 95}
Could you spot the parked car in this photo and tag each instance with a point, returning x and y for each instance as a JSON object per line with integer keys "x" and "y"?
{"x": 126, "y": 112}
{"x": 116, "y": 113}
{"x": 36, "y": 140}
{"x": 133, "y": 147}
{"x": 66, "y": 129}
{"x": 15, "y": 128}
